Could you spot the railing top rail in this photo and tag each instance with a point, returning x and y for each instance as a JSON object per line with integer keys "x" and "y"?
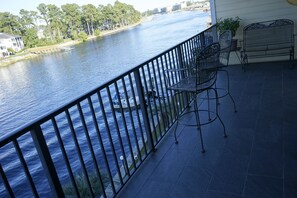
{"x": 5, "y": 139}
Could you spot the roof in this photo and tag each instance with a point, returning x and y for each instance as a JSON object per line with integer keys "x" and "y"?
{"x": 7, "y": 36}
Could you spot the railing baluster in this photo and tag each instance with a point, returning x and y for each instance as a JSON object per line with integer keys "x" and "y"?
{"x": 149, "y": 105}
{"x": 179, "y": 57}
{"x": 150, "y": 140}
{"x": 175, "y": 80}
{"x": 68, "y": 166}
{"x": 159, "y": 100}
{"x": 101, "y": 141}
{"x": 102, "y": 148}
{"x": 6, "y": 183}
{"x": 125, "y": 124}
{"x": 189, "y": 64}
{"x": 24, "y": 164}
{"x": 181, "y": 64}
{"x": 202, "y": 40}
{"x": 132, "y": 121}
{"x": 138, "y": 117}
{"x": 154, "y": 101}
{"x": 181, "y": 75}
{"x": 165, "y": 120}
{"x": 166, "y": 86}
{"x": 47, "y": 162}
{"x": 117, "y": 126}
{"x": 83, "y": 166}
{"x": 90, "y": 144}
{"x": 187, "y": 53}
{"x": 170, "y": 82}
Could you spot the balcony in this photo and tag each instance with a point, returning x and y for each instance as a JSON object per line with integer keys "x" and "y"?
{"x": 99, "y": 145}
{"x": 257, "y": 159}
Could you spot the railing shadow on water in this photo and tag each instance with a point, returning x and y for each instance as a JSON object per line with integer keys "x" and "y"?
{"x": 93, "y": 145}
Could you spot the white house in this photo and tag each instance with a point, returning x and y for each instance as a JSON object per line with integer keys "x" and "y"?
{"x": 10, "y": 41}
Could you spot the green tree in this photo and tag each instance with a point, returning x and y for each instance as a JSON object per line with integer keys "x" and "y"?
{"x": 70, "y": 20}
{"x": 30, "y": 38}
{"x": 72, "y": 16}
{"x": 89, "y": 13}
{"x": 109, "y": 17}
{"x": 56, "y": 21}
{"x": 9, "y": 23}
{"x": 26, "y": 19}
{"x": 43, "y": 10}
{"x": 99, "y": 22}
{"x": 122, "y": 12}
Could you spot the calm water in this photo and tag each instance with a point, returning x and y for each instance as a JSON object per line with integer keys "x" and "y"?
{"x": 34, "y": 87}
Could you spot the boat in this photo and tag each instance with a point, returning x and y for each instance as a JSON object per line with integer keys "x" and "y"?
{"x": 120, "y": 101}
{"x": 66, "y": 49}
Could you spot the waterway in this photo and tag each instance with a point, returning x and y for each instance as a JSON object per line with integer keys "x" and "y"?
{"x": 32, "y": 88}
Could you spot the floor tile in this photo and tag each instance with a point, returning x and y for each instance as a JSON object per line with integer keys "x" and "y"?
{"x": 217, "y": 194}
{"x": 230, "y": 173}
{"x": 267, "y": 159}
{"x": 263, "y": 187}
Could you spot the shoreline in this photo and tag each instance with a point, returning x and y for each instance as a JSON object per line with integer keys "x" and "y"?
{"x": 39, "y": 51}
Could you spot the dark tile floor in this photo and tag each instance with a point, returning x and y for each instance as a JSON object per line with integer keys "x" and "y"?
{"x": 257, "y": 159}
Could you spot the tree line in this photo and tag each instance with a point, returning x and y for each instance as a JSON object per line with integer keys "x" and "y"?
{"x": 68, "y": 21}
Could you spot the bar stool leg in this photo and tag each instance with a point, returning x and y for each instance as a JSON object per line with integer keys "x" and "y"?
{"x": 228, "y": 89}
{"x": 208, "y": 105}
{"x": 217, "y": 111}
{"x": 198, "y": 124}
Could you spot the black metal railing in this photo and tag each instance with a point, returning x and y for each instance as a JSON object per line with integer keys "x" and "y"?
{"x": 93, "y": 145}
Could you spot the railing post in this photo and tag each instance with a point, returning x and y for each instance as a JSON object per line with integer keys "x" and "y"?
{"x": 47, "y": 162}
{"x": 142, "y": 101}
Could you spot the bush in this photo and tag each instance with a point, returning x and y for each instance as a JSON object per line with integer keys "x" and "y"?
{"x": 11, "y": 51}
{"x": 97, "y": 32}
{"x": 82, "y": 185}
{"x": 74, "y": 35}
{"x": 83, "y": 36}
{"x": 43, "y": 42}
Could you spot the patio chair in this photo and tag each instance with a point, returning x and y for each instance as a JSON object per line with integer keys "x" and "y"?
{"x": 200, "y": 78}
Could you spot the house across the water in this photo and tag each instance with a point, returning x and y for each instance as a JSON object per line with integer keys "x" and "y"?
{"x": 7, "y": 42}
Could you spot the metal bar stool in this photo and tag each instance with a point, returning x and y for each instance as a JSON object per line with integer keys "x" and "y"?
{"x": 201, "y": 77}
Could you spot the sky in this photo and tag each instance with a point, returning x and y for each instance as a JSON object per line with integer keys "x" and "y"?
{"x": 14, "y": 6}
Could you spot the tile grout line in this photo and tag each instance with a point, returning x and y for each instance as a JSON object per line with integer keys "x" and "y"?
{"x": 267, "y": 176}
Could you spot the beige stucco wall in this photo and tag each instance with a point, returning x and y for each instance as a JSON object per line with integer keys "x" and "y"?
{"x": 254, "y": 11}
